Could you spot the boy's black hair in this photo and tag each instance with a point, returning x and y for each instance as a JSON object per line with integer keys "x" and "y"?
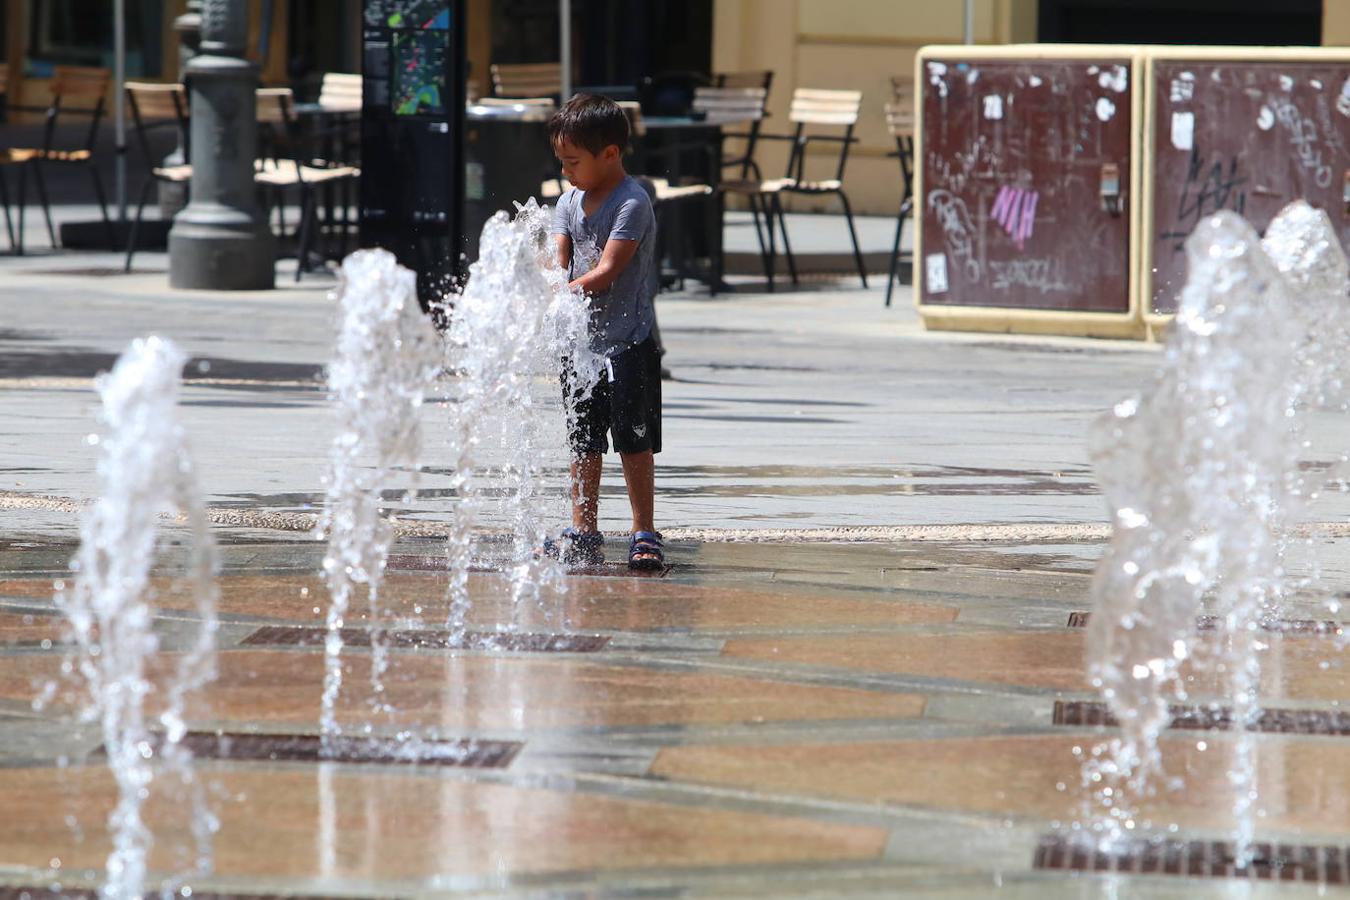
{"x": 591, "y": 122}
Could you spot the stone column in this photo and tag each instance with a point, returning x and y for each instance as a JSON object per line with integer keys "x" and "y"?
{"x": 188, "y": 27}
{"x": 220, "y": 241}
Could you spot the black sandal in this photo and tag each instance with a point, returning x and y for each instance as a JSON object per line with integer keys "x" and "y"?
{"x": 646, "y": 551}
{"x": 577, "y": 548}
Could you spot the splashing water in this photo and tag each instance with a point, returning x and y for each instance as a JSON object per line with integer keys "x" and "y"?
{"x": 515, "y": 327}
{"x": 386, "y": 357}
{"x": 144, "y": 472}
{"x": 1202, "y": 475}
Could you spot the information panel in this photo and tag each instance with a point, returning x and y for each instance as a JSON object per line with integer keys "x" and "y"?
{"x": 412, "y": 136}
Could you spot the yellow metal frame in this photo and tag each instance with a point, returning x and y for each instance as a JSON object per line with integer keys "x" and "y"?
{"x": 1035, "y": 321}
{"x": 1158, "y": 322}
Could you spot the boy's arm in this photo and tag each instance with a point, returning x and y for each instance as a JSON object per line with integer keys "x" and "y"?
{"x": 618, "y": 253}
{"x": 563, "y": 243}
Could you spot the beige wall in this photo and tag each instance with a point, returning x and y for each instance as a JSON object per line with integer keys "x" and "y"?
{"x": 1335, "y": 23}
{"x": 856, "y": 44}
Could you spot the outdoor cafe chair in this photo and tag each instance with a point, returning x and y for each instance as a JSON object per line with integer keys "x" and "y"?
{"x": 900, "y": 120}
{"x": 340, "y": 92}
{"x": 527, "y": 80}
{"x": 816, "y": 109}
{"x": 282, "y": 165}
{"x": 75, "y": 91}
{"x": 156, "y": 106}
{"x": 4, "y": 189}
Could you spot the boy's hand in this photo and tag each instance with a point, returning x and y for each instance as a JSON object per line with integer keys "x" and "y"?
{"x": 616, "y": 257}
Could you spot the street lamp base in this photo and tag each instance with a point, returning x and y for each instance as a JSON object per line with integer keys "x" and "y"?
{"x": 217, "y": 259}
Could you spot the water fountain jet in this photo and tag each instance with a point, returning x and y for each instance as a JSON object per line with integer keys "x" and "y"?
{"x": 386, "y": 357}
{"x": 1202, "y": 475}
{"x": 144, "y": 473}
{"x": 512, "y": 331}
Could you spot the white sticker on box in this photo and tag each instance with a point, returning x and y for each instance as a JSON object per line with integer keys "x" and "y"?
{"x": 1183, "y": 89}
{"x": 935, "y": 273}
{"x": 1106, "y": 110}
{"x": 993, "y": 106}
{"x": 1183, "y": 130}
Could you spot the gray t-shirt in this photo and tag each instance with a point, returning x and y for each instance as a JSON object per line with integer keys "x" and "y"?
{"x": 622, "y": 316}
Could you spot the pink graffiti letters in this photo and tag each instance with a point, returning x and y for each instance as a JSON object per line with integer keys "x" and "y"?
{"x": 1015, "y": 210}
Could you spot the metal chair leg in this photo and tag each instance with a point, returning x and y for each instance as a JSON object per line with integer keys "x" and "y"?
{"x": 23, "y": 202}
{"x": 771, "y": 254}
{"x": 103, "y": 207}
{"x": 46, "y": 205}
{"x": 787, "y": 246}
{"x": 4, "y": 201}
{"x": 895, "y": 254}
{"x": 852, "y": 233}
{"x": 307, "y": 204}
{"x": 136, "y": 222}
{"x": 759, "y": 233}
{"x": 719, "y": 259}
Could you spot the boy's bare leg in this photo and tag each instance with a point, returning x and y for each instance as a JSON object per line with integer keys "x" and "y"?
{"x": 586, "y": 492}
{"x": 639, "y": 473}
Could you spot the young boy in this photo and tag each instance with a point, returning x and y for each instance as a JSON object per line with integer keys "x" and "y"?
{"x": 605, "y": 233}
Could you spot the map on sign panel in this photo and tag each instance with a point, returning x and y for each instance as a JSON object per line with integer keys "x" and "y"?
{"x": 421, "y": 60}
{"x": 427, "y": 15}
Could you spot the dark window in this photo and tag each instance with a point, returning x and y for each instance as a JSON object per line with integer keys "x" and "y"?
{"x": 80, "y": 33}
{"x": 615, "y": 42}
{"x": 1250, "y": 22}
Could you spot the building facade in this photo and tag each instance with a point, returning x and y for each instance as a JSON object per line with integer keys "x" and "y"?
{"x": 856, "y": 44}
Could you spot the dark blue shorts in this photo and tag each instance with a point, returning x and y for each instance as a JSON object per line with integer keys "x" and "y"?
{"x": 628, "y": 405}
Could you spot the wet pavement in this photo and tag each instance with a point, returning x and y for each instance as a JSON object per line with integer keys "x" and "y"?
{"x": 750, "y": 724}
{"x": 845, "y": 683}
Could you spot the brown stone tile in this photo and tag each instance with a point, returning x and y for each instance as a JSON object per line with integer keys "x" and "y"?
{"x": 495, "y": 693}
{"x": 1040, "y": 659}
{"x": 28, "y": 628}
{"x": 591, "y": 603}
{"x": 1298, "y": 667}
{"x": 330, "y": 822}
{"x": 1302, "y": 785}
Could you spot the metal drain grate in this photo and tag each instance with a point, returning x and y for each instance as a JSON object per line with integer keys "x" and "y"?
{"x": 245, "y": 747}
{"x": 430, "y": 639}
{"x": 1198, "y": 859}
{"x": 1203, "y": 718}
{"x": 409, "y": 562}
{"x": 1276, "y": 626}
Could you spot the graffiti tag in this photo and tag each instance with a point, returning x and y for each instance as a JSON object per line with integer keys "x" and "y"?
{"x": 1043, "y": 275}
{"x": 1209, "y": 188}
{"x": 1303, "y": 135}
{"x": 1015, "y": 210}
{"x": 957, "y": 230}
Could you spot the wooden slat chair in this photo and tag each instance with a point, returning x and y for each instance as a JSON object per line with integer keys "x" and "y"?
{"x": 75, "y": 91}
{"x": 527, "y": 80}
{"x": 816, "y": 109}
{"x": 156, "y": 106}
{"x": 282, "y": 165}
{"x": 718, "y": 104}
{"x": 340, "y": 92}
{"x": 540, "y": 102}
{"x": 340, "y": 132}
{"x": 900, "y": 121}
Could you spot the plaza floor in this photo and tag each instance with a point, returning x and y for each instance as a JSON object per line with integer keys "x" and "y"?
{"x": 844, "y": 685}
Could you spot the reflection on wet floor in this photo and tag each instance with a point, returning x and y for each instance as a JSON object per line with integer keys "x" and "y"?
{"x": 834, "y": 708}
